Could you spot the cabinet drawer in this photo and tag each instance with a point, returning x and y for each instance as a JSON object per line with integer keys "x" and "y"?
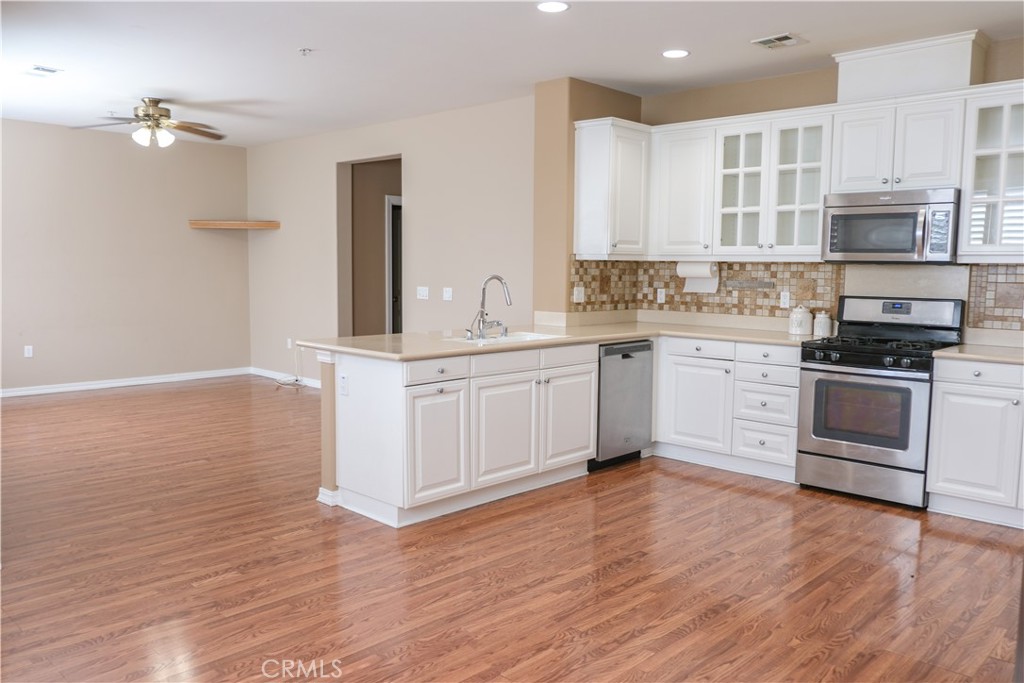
{"x": 507, "y": 361}
{"x": 699, "y": 348}
{"x": 976, "y": 372}
{"x": 764, "y": 442}
{"x": 568, "y": 355}
{"x": 768, "y": 374}
{"x": 765, "y": 403}
{"x": 436, "y": 370}
{"x": 768, "y": 353}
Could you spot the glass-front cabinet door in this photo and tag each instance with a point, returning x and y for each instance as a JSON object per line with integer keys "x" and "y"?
{"x": 799, "y": 168}
{"x": 741, "y": 160}
{"x": 992, "y": 200}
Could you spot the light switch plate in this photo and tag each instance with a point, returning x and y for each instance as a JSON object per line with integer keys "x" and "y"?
{"x": 784, "y": 299}
{"x": 423, "y": 292}
{"x": 446, "y": 293}
{"x": 661, "y": 296}
{"x": 577, "y": 295}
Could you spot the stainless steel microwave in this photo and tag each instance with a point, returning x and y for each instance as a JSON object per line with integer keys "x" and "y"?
{"x": 904, "y": 226}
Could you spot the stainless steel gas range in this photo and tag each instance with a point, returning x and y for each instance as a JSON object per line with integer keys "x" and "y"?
{"x": 865, "y": 397}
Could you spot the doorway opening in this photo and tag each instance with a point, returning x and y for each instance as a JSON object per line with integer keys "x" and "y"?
{"x": 393, "y": 265}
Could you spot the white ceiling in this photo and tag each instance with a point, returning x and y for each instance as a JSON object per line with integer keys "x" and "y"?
{"x": 237, "y": 66}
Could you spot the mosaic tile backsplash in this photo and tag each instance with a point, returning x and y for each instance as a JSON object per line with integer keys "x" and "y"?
{"x": 995, "y": 299}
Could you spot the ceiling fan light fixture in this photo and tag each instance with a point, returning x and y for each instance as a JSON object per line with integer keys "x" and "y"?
{"x": 552, "y": 7}
{"x": 143, "y": 136}
{"x": 164, "y": 137}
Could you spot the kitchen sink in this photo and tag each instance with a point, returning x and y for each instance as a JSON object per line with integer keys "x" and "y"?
{"x": 510, "y": 339}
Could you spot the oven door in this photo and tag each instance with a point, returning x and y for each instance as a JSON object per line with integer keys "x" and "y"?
{"x": 875, "y": 234}
{"x": 874, "y": 416}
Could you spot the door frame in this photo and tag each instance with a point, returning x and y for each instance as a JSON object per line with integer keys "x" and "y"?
{"x": 390, "y": 201}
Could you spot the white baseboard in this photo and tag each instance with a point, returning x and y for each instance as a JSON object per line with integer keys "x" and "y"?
{"x": 151, "y": 379}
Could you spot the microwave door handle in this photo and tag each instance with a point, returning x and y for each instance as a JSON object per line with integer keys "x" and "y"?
{"x": 923, "y": 232}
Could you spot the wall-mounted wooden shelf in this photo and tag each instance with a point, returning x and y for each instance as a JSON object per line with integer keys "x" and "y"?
{"x": 234, "y": 225}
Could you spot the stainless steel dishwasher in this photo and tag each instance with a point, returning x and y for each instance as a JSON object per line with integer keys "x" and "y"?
{"x": 624, "y": 399}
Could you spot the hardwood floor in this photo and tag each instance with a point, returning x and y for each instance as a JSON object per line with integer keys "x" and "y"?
{"x": 170, "y": 533}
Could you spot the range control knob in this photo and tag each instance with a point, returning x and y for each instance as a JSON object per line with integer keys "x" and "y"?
{"x": 819, "y": 355}
{"x": 888, "y": 361}
{"x": 905, "y": 362}
{"x": 834, "y": 356}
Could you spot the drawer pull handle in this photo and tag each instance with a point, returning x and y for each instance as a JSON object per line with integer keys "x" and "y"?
{"x": 547, "y": 381}
{"x": 1015, "y": 401}
{"x": 440, "y": 371}
{"x": 760, "y": 442}
{"x": 977, "y": 373}
{"x": 764, "y": 374}
{"x": 764, "y": 403}
{"x": 764, "y": 355}
{"x": 440, "y": 390}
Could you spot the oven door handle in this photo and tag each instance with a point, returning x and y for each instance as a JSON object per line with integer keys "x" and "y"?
{"x": 840, "y": 370}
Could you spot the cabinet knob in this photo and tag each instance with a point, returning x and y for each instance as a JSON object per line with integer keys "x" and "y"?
{"x": 440, "y": 371}
{"x": 764, "y": 403}
{"x": 771, "y": 246}
{"x": 760, "y": 245}
{"x": 615, "y": 244}
{"x": 885, "y": 181}
{"x": 764, "y": 374}
{"x": 696, "y": 348}
{"x": 705, "y": 246}
{"x": 547, "y": 380}
{"x": 1015, "y": 401}
{"x": 536, "y": 381}
{"x": 897, "y": 180}
{"x": 764, "y": 355}
{"x": 440, "y": 390}
{"x": 760, "y": 442}
{"x": 727, "y": 371}
{"x": 977, "y": 373}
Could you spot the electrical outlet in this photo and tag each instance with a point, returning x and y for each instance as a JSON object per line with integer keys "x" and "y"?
{"x": 446, "y": 293}
{"x": 288, "y": 342}
{"x": 661, "y": 296}
{"x": 342, "y": 385}
{"x": 423, "y": 292}
{"x": 578, "y": 295}
{"x": 784, "y": 299}
{"x": 28, "y": 352}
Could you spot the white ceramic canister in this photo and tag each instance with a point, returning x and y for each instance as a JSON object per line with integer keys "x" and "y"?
{"x": 800, "y": 321}
{"x": 822, "y": 324}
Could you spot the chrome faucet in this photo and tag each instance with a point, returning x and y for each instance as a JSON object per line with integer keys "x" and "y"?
{"x": 481, "y": 322}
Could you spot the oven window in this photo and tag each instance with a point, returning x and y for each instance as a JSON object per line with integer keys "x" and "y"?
{"x": 876, "y": 233}
{"x": 865, "y": 414}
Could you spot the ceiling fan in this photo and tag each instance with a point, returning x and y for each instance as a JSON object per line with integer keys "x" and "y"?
{"x": 156, "y": 124}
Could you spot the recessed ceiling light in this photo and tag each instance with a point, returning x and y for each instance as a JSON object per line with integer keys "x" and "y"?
{"x": 675, "y": 54}
{"x": 552, "y": 6}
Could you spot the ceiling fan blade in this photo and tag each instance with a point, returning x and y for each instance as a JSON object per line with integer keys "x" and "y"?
{"x": 115, "y": 121}
{"x": 195, "y": 131}
{"x": 194, "y": 124}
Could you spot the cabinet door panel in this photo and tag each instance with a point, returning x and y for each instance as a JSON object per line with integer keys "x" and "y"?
{"x": 863, "y": 150}
{"x": 695, "y": 403}
{"x": 681, "y": 193}
{"x": 975, "y": 443}
{"x": 438, "y": 440}
{"x": 629, "y": 201}
{"x": 504, "y": 428}
{"x": 569, "y": 415}
{"x": 929, "y": 144}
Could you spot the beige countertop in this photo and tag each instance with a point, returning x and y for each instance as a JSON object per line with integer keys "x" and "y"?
{"x": 423, "y": 345}
{"x": 987, "y": 354}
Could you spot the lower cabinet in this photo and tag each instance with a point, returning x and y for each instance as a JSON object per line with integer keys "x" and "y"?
{"x": 438, "y": 443}
{"x": 694, "y": 406}
{"x": 974, "y": 450}
{"x": 568, "y": 415}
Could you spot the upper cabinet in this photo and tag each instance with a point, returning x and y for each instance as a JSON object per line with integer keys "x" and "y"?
{"x": 682, "y": 192}
{"x": 992, "y": 200}
{"x": 612, "y": 158}
{"x": 741, "y": 188}
{"x": 799, "y": 181}
{"x": 899, "y": 147}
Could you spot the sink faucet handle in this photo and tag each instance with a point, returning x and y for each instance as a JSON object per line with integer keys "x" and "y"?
{"x": 469, "y": 333}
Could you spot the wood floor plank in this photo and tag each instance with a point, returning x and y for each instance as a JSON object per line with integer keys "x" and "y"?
{"x": 170, "y": 533}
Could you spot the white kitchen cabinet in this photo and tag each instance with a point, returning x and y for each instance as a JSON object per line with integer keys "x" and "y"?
{"x": 898, "y": 147}
{"x": 695, "y": 395}
{"x": 741, "y": 188}
{"x": 992, "y": 200}
{"x": 799, "y": 163}
{"x": 682, "y": 193}
{"x": 504, "y": 427}
{"x": 438, "y": 445}
{"x": 766, "y": 403}
{"x": 612, "y": 157}
{"x": 974, "y": 450}
{"x": 568, "y": 410}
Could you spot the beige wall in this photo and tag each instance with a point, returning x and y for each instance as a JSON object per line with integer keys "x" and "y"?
{"x": 467, "y": 205}
{"x": 559, "y": 103}
{"x": 1004, "y": 60}
{"x": 101, "y": 273}
{"x": 371, "y": 182}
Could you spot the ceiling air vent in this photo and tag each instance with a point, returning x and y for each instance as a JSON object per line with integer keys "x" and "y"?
{"x": 781, "y": 40}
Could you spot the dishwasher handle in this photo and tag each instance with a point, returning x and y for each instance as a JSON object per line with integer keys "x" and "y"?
{"x": 627, "y": 350}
